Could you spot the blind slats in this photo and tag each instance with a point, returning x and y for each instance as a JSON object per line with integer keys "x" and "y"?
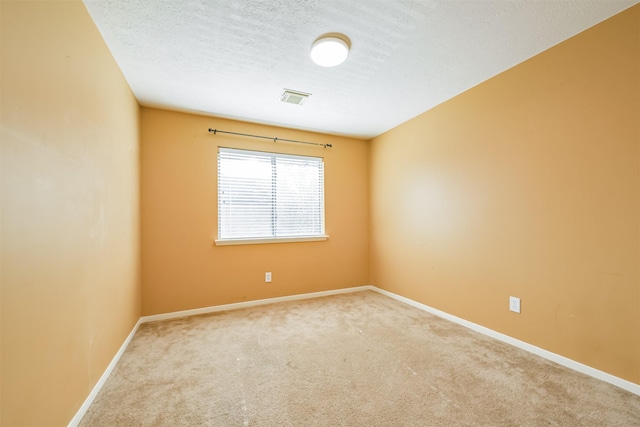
{"x": 269, "y": 195}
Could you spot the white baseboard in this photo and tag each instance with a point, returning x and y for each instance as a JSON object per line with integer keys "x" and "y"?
{"x": 75, "y": 421}
{"x": 237, "y": 305}
{"x": 561, "y": 360}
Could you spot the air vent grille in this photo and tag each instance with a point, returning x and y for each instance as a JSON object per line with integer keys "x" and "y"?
{"x": 294, "y": 97}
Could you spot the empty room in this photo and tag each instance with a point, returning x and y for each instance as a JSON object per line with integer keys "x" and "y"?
{"x": 320, "y": 213}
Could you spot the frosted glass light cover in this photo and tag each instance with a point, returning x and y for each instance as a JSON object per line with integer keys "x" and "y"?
{"x": 329, "y": 51}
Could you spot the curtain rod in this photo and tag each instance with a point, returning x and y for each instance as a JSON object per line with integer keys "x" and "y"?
{"x": 273, "y": 139}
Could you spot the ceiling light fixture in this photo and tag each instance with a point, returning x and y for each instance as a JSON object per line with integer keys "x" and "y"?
{"x": 330, "y": 50}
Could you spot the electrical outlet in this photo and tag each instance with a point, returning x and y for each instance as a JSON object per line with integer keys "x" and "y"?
{"x": 514, "y": 304}
{"x": 267, "y": 277}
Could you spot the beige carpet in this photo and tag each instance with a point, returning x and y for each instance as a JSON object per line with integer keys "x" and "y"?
{"x": 357, "y": 359}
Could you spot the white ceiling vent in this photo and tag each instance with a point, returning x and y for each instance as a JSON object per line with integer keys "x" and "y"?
{"x": 294, "y": 97}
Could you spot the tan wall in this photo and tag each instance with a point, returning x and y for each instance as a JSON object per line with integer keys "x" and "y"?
{"x": 526, "y": 185}
{"x": 181, "y": 269}
{"x": 70, "y": 216}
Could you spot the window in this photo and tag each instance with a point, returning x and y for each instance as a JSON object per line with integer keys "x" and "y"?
{"x": 269, "y": 197}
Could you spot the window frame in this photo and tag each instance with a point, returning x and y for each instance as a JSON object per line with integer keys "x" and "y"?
{"x": 270, "y": 239}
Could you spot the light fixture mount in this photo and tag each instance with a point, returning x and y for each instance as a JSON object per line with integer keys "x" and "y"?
{"x": 330, "y": 49}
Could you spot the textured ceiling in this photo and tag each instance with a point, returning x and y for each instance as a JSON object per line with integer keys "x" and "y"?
{"x": 233, "y": 58}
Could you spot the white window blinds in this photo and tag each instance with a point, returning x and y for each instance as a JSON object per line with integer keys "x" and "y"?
{"x": 269, "y": 196}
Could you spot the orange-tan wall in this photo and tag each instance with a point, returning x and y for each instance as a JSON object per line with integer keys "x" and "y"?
{"x": 182, "y": 269}
{"x": 526, "y": 185}
{"x": 70, "y": 210}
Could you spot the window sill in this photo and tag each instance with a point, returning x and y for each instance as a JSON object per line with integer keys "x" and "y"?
{"x": 228, "y": 242}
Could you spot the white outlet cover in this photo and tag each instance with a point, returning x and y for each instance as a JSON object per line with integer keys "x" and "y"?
{"x": 514, "y": 304}
{"x": 267, "y": 277}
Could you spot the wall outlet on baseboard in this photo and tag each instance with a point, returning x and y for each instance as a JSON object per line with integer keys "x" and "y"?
{"x": 514, "y": 304}
{"x": 267, "y": 277}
